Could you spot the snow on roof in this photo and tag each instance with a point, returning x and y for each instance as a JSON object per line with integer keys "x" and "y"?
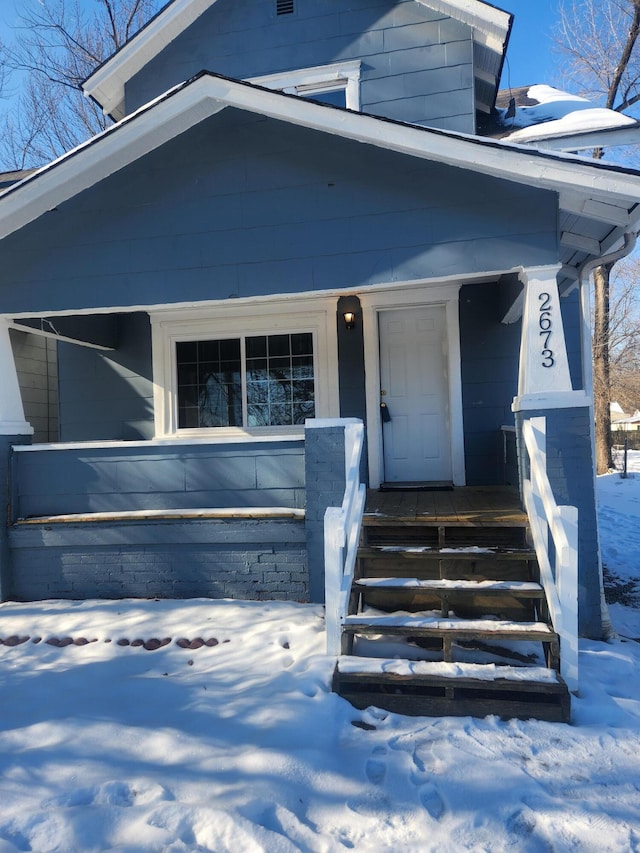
{"x": 540, "y": 112}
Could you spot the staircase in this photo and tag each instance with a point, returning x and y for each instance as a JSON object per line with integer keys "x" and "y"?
{"x": 446, "y": 615}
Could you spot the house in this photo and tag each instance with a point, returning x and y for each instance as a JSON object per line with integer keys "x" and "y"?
{"x": 621, "y": 421}
{"x": 36, "y": 363}
{"x": 295, "y": 218}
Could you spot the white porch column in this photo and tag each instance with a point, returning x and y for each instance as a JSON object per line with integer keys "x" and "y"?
{"x": 12, "y": 421}
{"x": 544, "y": 380}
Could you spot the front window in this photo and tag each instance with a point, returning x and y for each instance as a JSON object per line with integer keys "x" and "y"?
{"x": 246, "y": 381}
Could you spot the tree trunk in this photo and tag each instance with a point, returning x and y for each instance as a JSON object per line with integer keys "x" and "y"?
{"x": 601, "y": 371}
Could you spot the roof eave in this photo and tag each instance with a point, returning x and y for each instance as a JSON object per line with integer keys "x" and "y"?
{"x": 572, "y": 142}
{"x": 107, "y": 83}
{"x": 192, "y": 102}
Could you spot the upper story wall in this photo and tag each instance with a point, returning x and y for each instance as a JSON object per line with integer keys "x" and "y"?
{"x": 417, "y": 64}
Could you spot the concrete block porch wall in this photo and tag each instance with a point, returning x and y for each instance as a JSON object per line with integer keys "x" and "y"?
{"x": 268, "y": 557}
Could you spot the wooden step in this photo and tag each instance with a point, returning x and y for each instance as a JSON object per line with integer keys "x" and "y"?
{"x": 470, "y": 598}
{"x": 432, "y": 562}
{"x": 378, "y": 530}
{"x": 517, "y": 589}
{"x": 436, "y": 688}
{"x": 430, "y": 625}
{"x": 433, "y": 552}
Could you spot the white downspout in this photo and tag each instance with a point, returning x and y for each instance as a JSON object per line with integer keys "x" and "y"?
{"x": 584, "y": 273}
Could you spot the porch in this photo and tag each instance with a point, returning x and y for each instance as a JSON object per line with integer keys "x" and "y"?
{"x": 461, "y": 505}
{"x": 446, "y": 602}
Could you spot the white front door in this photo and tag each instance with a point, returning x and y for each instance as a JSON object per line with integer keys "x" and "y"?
{"x": 414, "y": 389}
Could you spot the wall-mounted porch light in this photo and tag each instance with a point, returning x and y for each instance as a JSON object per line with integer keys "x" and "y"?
{"x": 350, "y": 319}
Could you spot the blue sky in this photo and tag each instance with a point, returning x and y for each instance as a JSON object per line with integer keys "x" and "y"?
{"x": 530, "y": 56}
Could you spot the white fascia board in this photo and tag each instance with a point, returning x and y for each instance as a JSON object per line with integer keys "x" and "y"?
{"x": 192, "y": 102}
{"x": 502, "y": 160}
{"x": 490, "y": 25}
{"x": 584, "y": 141}
{"x": 106, "y": 84}
{"x": 106, "y": 153}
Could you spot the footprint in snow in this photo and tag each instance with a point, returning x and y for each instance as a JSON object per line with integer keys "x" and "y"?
{"x": 432, "y": 801}
{"x": 376, "y": 771}
{"x": 369, "y": 806}
{"x": 521, "y": 823}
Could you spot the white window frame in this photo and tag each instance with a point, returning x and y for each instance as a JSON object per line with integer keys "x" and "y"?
{"x": 317, "y": 317}
{"x": 306, "y": 82}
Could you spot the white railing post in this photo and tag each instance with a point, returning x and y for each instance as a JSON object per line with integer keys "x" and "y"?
{"x": 560, "y": 581}
{"x": 341, "y": 536}
{"x": 567, "y": 583}
{"x": 333, "y": 571}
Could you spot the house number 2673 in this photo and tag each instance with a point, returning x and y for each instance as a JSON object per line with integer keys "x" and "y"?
{"x": 546, "y": 324}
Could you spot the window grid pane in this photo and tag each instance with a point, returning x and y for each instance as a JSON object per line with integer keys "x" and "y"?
{"x": 280, "y": 388}
{"x": 258, "y": 381}
{"x": 209, "y": 384}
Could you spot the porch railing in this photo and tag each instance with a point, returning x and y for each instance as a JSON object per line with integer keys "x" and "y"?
{"x": 341, "y": 536}
{"x": 555, "y": 537}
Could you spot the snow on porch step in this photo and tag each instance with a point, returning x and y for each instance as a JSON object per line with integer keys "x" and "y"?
{"x": 522, "y": 589}
{"x": 430, "y": 625}
{"x": 354, "y": 665}
{"x": 425, "y": 688}
{"x": 471, "y": 552}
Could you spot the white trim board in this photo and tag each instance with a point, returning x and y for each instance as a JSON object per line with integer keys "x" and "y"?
{"x": 162, "y": 309}
{"x": 320, "y": 78}
{"x": 156, "y": 442}
{"x": 107, "y": 83}
{"x": 491, "y": 26}
{"x": 207, "y": 94}
{"x": 167, "y": 327}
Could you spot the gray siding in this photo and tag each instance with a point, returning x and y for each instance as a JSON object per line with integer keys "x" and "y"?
{"x": 166, "y": 559}
{"x": 244, "y": 206}
{"x": 108, "y": 395}
{"x": 172, "y": 476}
{"x": 326, "y": 479}
{"x": 490, "y": 354}
{"x": 6, "y": 569}
{"x": 37, "y": 367}
{"x": 572, "y": 322}
{"x": 416, "y": 63}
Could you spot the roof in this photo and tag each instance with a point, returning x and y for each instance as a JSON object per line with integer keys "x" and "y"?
{"x": 551, "y": 118}
{"x": 106, "y": 85}
{"x": 598, "y": 201}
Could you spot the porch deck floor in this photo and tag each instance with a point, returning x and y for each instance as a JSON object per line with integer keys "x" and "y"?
{"x": 464, "y": 505}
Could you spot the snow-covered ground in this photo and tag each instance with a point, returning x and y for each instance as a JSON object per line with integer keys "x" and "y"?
{"x": 230, "y": 740}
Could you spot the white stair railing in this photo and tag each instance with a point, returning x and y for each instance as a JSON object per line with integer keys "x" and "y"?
{"x": 558, "y": 566}
{"x": 341, "y": 536}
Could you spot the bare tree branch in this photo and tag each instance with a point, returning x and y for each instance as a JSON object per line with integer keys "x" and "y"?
{"x": 56, "y": 46}
{"x": 598, "y": 41}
